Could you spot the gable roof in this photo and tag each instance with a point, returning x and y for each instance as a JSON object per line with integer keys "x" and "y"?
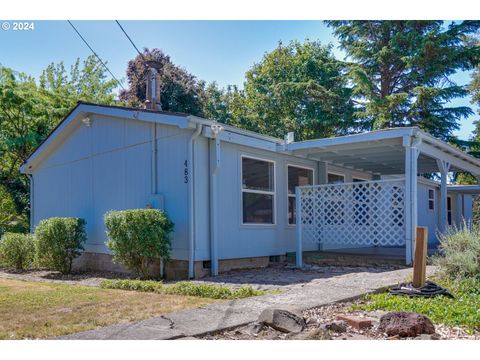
{"x": 84, "y": 109}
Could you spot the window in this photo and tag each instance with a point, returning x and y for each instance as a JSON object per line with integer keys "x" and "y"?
{"x": 449, "y": 210}
{"x": 431, "y": 199}
{"x": 258, "y": 191}
{"x": 297, "y": 176}
{"x": 335, "y": 178}
{"x": 358, "y": 180}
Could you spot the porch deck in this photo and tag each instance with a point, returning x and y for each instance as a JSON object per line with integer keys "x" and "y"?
{"x": 364, "y": 256}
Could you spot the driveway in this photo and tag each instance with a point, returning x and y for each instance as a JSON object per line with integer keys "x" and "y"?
{"x": 302, "y": 289}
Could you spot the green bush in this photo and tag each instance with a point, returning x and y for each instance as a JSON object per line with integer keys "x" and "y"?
{"x": 17, "y": 250}
{"x": 58, "y": 242}
{"x": 184, "y": 288}
{"x": 137, "y": 237}
{"x": 460, "y": 251}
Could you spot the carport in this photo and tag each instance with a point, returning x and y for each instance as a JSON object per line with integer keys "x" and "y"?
{"x": 395, "y": 158}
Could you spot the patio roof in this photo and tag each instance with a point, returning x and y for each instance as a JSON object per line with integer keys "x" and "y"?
{"x": 383, "y": 152}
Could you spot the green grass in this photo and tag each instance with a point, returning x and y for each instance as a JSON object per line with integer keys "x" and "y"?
{"x": 44, "y": 310}
{"x": 463, "y": 311}
{"x": 185, "y": 288}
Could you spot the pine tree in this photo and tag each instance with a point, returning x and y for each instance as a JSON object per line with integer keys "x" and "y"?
{"x": 401, "y": 71}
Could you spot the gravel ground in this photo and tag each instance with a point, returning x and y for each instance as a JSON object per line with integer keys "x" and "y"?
{"x": 277, "y": 276}
{"x": 324, "y": 314}
{"x": 89, "y": 278}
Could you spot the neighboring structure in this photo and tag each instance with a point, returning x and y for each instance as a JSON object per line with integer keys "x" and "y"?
{"x": 232, "y": 193}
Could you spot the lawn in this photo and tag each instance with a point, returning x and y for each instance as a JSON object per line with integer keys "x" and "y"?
{"x": 463, "y": 311}
{"x": 45, "y": 310}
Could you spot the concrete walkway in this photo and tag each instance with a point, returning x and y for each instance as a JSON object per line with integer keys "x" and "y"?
{"x": 235, "y": 313}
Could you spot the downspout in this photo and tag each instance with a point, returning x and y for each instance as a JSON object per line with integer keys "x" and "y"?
{"x": 191, "y": 201}
{"x": 32, "y": 187}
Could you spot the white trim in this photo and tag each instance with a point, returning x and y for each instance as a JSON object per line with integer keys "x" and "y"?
{"x": 273, "y": 193}
{"x": 433, "y": 199}
{"x": 306, "y": 167}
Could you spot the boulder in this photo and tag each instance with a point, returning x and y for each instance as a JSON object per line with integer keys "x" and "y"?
{"x": 284, "y": 320}
{"x": 337, "y": 326}
{"x": 405, "y": 324}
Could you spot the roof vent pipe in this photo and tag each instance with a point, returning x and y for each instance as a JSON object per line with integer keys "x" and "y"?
{"x": 152, "y": 101}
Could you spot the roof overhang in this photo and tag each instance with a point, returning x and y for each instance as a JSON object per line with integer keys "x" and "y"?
{"x": 83, "y": 110}
{"x": 464, "y": 189}
{"x": 383, "y": 152}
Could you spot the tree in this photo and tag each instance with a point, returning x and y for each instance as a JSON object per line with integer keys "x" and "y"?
{"x": 180, "y": 91}
{"x": 29, "y": 111}
{"x": 401, "y": 71}
{"x": 298, "y": 87}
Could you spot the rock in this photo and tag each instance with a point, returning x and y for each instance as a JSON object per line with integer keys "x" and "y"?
{"x": 285, "y": 319}
{"x": 253, "y": 328}
{"x": 337, "y": 326}
{"x": 427, "y": 337}
{"x": 356, "y": 322}
{"x": 311, "y": 321}
{"x": 405, "y": 324}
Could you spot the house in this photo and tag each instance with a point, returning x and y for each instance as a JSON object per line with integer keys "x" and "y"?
{"x": 233, "y": 194}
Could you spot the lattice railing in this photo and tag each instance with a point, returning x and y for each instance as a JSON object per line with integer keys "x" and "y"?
{"x": 358, "y": 214}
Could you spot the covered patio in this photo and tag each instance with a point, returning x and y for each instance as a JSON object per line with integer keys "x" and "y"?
{"x": 382, "y": 211}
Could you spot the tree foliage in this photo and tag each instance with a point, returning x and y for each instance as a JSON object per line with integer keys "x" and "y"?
{"x": 180, "y": 91}
{"x": 401, "y": 71}
{"x": 30, "y": 110}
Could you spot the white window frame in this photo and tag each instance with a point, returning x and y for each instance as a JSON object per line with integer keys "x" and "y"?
{"x": 273, "y": 193}
{"x": 338, "y": 174}
{"x": 431, "y": 199}
{"x": 286, "y": 182}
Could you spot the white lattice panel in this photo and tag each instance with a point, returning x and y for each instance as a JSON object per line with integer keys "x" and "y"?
{"x": 358, "y": 214}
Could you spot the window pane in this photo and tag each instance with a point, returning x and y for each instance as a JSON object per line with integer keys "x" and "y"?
{"x": 430, "y": 194}
{"x": 335, "y": 179}
{"x": 291, "y": 210}
{"x": 257, "y": 208}
{"x": 298, "y": 177}
{"x": 257, "y": 174}
{"x": 431, "y": 205}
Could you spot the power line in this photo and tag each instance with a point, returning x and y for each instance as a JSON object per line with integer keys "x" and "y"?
{"x": 131, "y": 42}
{"x": 94, "y": 53}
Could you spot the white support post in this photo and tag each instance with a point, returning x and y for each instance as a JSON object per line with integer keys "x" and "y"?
{"x": 298, "y": 217}
{"x": 443, "y": 167}
{"x": 411, "y": 158}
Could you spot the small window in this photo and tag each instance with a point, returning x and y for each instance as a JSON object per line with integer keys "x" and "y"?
{"x": 297, "y": 176}
{"x": 358, "y": 180}
{"x": 258, "y": 191}
{"x": 431, "y": 199}
{"x": 335, "y": 178}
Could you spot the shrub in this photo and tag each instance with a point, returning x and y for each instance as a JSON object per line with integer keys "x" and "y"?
{"x": 136, "y": 237}
{"x": 17, "y": 250}
{"x": 184, "y": 288}
{"x": 58, "y": 242}
{"x": 460, "y": 251}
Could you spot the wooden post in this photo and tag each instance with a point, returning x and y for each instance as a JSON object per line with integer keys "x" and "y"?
{"x": 420, "y": 258}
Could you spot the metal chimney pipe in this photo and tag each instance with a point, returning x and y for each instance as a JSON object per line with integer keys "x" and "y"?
{"x": 153, "y": 87}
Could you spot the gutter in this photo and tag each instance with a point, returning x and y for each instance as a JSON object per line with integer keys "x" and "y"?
{"x": 191, "y": 200}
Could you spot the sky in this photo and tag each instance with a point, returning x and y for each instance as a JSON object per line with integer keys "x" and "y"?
{"x": 220, "y": 51}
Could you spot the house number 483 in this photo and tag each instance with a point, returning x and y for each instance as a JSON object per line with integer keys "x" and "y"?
{"x": 185, "y": 172}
